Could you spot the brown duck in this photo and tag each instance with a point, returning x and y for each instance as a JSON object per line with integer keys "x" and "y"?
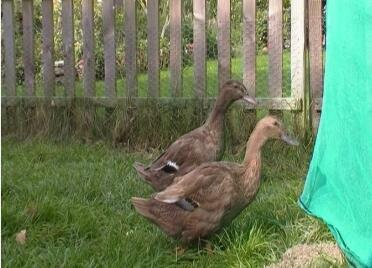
{"x": 203, "y": 144}
{"x": 212, "y": 195}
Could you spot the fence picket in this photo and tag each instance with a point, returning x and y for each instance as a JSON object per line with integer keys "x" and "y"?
{"x": 199, "y": 48}
{"x": 249, "y": 45}
{"x": 315, "y": 57}
{"x": 68, "y": 47}
{"x": 298, "y": 57}
{"x": 109, "y": 47}
{"x": 153, "y": 47}
{"x": 88, "y": 48}
{"x": 48, "y": 47}
{"x": 119, "y": 3}
{"x": 28, "y": 46}
{"x": 130, "y": 47}
{"x": 275, "y": 48}
{"x": 175, "y": 63}
{"x": 223, "y": 41}
{"x": 9, "y": 46}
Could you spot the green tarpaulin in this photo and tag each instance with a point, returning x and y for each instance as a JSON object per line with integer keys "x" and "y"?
{"x": 338, "y": 188}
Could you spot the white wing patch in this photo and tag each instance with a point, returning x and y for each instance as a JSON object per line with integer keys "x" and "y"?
{"x": 173, "y": 165}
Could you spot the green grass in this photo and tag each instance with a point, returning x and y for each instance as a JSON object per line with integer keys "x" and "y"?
{"x": 73, "y": 200}
{"x": 188, "y": 76}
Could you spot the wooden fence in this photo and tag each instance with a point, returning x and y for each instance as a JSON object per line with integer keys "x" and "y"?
{"x": 306, "y": 18}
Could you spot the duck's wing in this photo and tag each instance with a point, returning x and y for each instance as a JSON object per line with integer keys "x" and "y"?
{"x": 200, "y": 185}
{"x": 207, "y": 197}
{"x": 185, "y": 152}
{"x": 186, "y": 185}
{"x": 181, "y": 157}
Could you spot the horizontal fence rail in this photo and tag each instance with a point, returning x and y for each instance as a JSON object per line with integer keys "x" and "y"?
{"x": 275, "y": 100}
{"x": 289, "y": 104}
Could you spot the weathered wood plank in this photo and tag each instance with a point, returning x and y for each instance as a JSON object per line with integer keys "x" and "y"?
{"x": 109, "y": 47}
{"x": 68, "y": 47}
{"x": 275, "y": 48}
{"x": 318, "y": 103}
{"x": 223, "y": 41}
{"x": 28, "y": 46}
{"x": 298, "y": 48}
{"x": 298, "y": 57}
{"x": 200, "y": 48}
{"x": 315, "y": 57}
{"x": 130, "y": 47}
{"x": 249, "y": 45}
{"x": 89, "y": 75}
{"x": 175, "y": 63}
{"x": 48, "y": 47}
{"x": 119, "y": 4}
{"x": 9, "y": 47}
{"x": 289, "y": 104}
{"x": 153, "y": 50}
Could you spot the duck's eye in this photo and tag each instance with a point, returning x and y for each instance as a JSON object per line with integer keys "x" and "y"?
{"x": 235, "y": 86}
{"x": 276, "y": 123}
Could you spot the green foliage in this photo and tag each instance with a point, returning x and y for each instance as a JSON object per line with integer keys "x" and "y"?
{"x": 73, "y": 200}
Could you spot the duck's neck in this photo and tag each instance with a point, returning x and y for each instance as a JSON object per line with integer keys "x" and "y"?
{"x": 216, "y": 117}
{"x": 252, "y": 164}
{"x": 254, "y": 145}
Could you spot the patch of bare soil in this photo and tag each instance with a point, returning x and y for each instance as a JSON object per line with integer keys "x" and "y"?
{"x": 325, "y": 254}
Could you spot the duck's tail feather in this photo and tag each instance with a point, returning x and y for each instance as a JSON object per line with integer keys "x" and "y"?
{"x": 153, "y": 177}
{"x": 142, "y": 206}
{"x": 143, "y": 173}
{"x": 159, "y": 213}
{"x": 141, "y": 169}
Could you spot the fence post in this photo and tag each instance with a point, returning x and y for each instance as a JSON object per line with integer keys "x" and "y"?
{"x": 175, "y": 63}
{"x": 48, "y": 47}
{"x": 275, "y": 48}
{"x": 315, "y": 59}
{"x": 223, "y": 41}
{"x": 28, "y": 46}
{"x": 109, "y": 47}
{"x": 249, "y": 51}
{"x": 9, "y": 47}
{"x": 298, "y": 61}
{"x": 249, "y": 45}
{"x": 10, "y": 122}
{"x": 199, "y": 48}
{"x": 88, "y": 48}
{"x": 68, "y": 47}
{"x": 130, "y": 47}
{"x": 153, "y": 48}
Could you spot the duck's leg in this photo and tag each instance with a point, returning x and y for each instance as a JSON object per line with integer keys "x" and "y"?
{"x": 180, "y": 250}
{"x": 209, "y": 248}
{"x": 205, "y": 245}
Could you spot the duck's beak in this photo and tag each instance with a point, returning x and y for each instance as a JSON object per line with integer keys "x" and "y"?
{"x": 249, "y": 99}
{"x": 288, "y": 139}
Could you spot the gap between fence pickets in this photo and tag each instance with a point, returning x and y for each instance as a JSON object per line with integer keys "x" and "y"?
{"x": 290, "y": 104}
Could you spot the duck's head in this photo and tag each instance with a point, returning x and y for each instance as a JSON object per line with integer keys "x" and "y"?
{"x": 274, "y": 128}
{"x": 234, "y": 90}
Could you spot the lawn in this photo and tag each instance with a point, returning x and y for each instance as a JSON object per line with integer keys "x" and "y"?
{"x": 73, "y": 200}
{"x": 188, "y": 76}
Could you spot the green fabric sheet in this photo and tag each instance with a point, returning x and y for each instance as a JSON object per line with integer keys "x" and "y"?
{"x": 338, "y": 187}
